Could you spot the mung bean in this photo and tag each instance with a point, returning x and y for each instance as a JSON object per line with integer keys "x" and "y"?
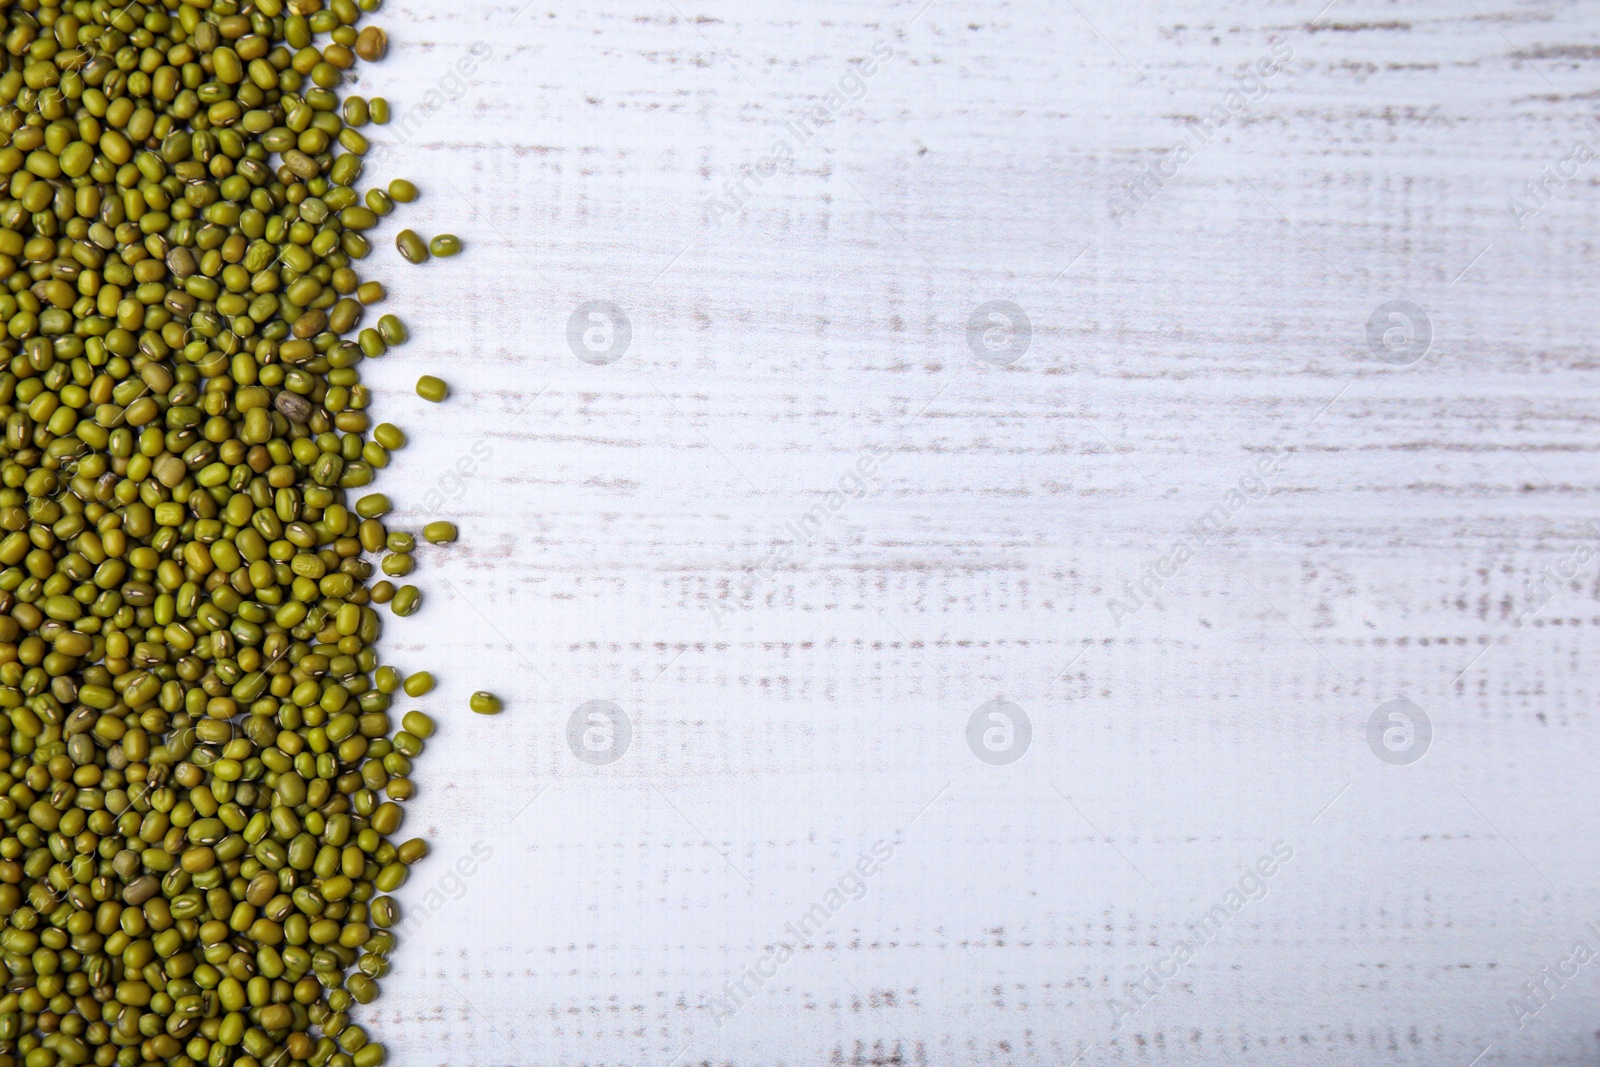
{"x": 411, "y": 246}
{"x": 407, "y": 599}
{"x": 439, "y": 532}
{"x": 196, "y": 745}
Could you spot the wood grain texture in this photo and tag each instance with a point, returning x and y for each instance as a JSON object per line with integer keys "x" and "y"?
{"x": 624, "y": 529}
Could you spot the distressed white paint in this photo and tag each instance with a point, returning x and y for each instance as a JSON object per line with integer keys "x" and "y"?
{"x": 828, "y": 318}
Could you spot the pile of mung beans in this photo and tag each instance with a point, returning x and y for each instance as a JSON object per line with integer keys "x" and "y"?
{"x": 200, "y": 775}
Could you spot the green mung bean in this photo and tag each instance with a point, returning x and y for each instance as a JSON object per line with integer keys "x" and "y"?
{"x": 411, "y": 246}
{"x": 392, "y": 330}
{"x": 418, "y": 684}
{"x": 391, "y": 878}
{"x": 432, "y": 389}
{"x": 446, "y": 244}
{"x": 197, "y": 742}
{"x": 411, "y": 851}
{"x": 371, "y": 44}
{"x": 439, "y": 532}
{"x": 407, "y": 599}
{"x": 389, "y": 436}
{"x": 484, "y": 703}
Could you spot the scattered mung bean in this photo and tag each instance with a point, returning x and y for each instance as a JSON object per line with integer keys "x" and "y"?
{"x": 372, "y": 44}
{"x": 439, "y": 532}
{"x": 355, "y": 111}
{"x": 390, "y": 436}
{"x": 485, "y": 703}
{"x": 392, "y": 330}
{"x": 411, "y": 246}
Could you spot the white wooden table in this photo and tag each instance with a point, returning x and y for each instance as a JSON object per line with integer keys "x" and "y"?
{"x": 807, "y": 523}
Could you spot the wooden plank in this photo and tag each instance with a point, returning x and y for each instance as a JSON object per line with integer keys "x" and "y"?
{"x": 799, "y": 532}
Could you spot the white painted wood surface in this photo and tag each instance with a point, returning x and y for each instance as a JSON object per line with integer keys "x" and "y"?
{"x": 619, "y": 521}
